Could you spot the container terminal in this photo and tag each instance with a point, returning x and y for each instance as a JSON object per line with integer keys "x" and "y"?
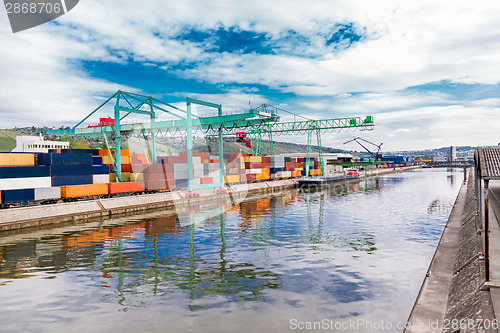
{"x": 46, "y": 182}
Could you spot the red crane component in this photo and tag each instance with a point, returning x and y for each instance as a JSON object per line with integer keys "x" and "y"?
{"x": 242, "y": 137}
{"x": 104, "y": 122}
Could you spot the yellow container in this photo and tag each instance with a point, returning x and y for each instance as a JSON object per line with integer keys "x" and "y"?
{"x": 106, "y": 160}
{"x": 136, "y": 176}
{"x": 83, "y": 190}
{"x": 14, "y": 159}
{"x": 255, "y": 159}
{"x": 125, "y": 175}
{"x": 125, "y": 159}
{"x": 232, "y": 179}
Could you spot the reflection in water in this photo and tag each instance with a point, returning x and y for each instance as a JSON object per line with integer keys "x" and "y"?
{"x": 336, "y": 253}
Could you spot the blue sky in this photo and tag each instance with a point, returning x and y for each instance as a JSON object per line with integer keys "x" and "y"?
{"x": 428, "y": 72}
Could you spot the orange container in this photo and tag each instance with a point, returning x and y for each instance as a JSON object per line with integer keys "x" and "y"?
{"x": 124, "y": 187}
{"x": 206, "y": 180}
{"x": 266, "y": 174}
{"x": 74, "y": 191}
{"x": 232, "y": 179}
{"x": 105, "y": 152}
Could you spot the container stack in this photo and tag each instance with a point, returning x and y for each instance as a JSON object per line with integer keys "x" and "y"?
{"x": 20, "y": 177}
{"x": 126, "y": 163}
{"x": 71, "y": 173}
{"x": 257, "y": 168}
{"x": 76, "y": 172}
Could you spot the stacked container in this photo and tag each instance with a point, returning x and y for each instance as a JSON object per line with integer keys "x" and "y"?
{"x": 19, "y": 176}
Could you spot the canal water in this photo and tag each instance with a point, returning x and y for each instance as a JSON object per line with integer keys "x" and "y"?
{"x": 350, "y": 258}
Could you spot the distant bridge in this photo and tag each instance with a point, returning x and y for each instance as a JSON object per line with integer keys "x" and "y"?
{"x": 451, "y": 164}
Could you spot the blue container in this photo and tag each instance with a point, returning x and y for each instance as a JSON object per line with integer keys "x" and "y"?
{"x": 96, "y": 160}
{"x": 9, "y": 196}
{"x": 24, "y": 172}
{"x": 71, "y": 170}
{"x": 100, "y": 170}
{"x": 51, "y": 159}
{"x": 276, "y": 170}
{"x": 72, "y": 180}
{"x": 181, "y": 183}
{"x": 80, "y": 151}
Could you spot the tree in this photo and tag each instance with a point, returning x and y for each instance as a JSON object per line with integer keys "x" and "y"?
{"x": 81, "y": 144}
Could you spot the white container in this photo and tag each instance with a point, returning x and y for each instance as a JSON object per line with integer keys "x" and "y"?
{"x": 253, "y": 171}
{"x": 24, "y": 183}
{"x": 100, "y": 179}
{"x": 47, "y": 193}
{"x": 197, "y": 167}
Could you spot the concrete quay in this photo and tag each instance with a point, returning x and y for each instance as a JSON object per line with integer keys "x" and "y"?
{"x": 453, "y": 297}
{"x": 35, "y": 216}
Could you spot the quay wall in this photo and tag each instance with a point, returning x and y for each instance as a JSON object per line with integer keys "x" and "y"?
{"x": 451, "y": 291}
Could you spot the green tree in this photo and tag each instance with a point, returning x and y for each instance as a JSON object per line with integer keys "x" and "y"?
{"x": 81, "y": 144}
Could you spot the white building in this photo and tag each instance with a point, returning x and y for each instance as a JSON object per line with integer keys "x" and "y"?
{"x": 35, "y": 144}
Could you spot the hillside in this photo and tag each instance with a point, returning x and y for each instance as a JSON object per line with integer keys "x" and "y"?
{"x": 165, "y": 145}
{"x": 7, "y": 140}
{"x": 169, "y": 145}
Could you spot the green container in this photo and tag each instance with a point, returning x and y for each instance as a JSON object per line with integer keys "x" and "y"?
{"x": 369, "y": 119}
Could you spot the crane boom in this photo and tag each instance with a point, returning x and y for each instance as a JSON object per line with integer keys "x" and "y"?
{"x": 377, "y": 155}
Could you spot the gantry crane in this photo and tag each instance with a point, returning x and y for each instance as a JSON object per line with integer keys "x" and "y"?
{"x": 261, "y": 120}
{"x": 126, "y": 103}
{"x": 309, "y": 126}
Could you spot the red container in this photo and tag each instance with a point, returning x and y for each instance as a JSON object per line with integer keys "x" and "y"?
{"x": 126, "y": 168}
{"x": 124, "y": 187}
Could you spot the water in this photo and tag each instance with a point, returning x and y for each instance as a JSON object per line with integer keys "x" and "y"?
{"x": 356, "y": 254}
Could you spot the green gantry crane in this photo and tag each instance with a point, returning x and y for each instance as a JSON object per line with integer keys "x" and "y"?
{"x": 311, "y": 127}
{"x": 262, "y": 120}
{"x": 126, "y": 103}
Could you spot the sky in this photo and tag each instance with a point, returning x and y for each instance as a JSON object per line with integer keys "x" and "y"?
{"x": 427, "y": 71}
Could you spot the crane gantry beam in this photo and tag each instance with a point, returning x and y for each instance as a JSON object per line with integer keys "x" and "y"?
{"x": 310, "y": 127}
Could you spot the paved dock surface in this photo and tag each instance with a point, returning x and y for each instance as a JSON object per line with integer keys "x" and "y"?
{"x": 430, "y": 306}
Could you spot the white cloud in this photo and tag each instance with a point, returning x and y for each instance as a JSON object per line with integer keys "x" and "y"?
{"x": 405, "y": 44}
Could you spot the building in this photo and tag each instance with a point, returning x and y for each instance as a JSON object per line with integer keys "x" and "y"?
{"x": 36, "y": 144}
{"x": 453, "y": 154}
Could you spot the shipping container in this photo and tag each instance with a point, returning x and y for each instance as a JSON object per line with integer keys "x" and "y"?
{"x": 17, "y": 159}
{"x": 72, "y": 180}
{"x": 10, "y": 196}
{"x": 100, "y": 179}
{"x": 100, "y": 170}
{"x": 84, "y": 190}
{"x": 24, "y": 171}
{"x": 96, "y": 160}
{"x": 206, "y": 180}
{"x": 67, "y": 159}
{"x": 24, "y": 183}
{"x": 71, "y": 170}
{"x": 47, "y": 193}
{"x": 124, "y": 187}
